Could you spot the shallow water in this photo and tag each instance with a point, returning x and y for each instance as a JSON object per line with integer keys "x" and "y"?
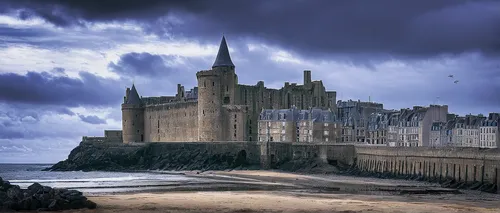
{"x": 92, "y": 182}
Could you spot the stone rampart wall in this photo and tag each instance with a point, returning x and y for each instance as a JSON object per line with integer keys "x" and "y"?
{"x": 461, "y": 164}
{"x": 171, "y": 122}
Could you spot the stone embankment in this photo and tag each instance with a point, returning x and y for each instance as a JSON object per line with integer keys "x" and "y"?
{"x": 444, "y": 182}
{"x": 41, "y": 198}
{"x": 156, "y": 156}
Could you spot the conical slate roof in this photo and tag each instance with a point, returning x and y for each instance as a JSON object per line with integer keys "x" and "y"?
{"x": 223, "y": 59}
{"x": 133, "y": 96}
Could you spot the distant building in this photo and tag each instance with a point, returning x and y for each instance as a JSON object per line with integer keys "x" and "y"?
{"x": 489, "y": 131}
{"x": 294, "y": 125}
{"x": 378, "y": 127}
{"x": 354, "y": 118}
{"x": 412, "y": 127}
{"x": 468, "y": 131}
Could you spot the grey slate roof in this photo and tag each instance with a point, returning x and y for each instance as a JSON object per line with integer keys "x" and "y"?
{"x": 223, "y": 58}
{"x": 133, "y": 96}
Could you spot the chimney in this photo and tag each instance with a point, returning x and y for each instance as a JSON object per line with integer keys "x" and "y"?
{"x": 307, "y": 77}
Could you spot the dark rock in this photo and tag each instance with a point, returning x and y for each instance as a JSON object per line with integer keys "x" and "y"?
{"x": 11, "y": 205}
{"x": 15, "y": 193}
{"x": 53, "y": 206}
{"x": 25, "y": 204}
{"x": 35, "y": 204}
{"x": 91, "y": 205}
{"x": 77, "y": 204}
{"x": 4, "y": 185}
{"x": 47, "y": 189}
{"x": 42, "y": 198}
{"x": 3, "y": 196}
{"x": 35, "y": 187}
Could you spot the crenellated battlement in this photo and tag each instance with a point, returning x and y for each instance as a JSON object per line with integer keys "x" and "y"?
{"x": 207, "y": 73}
{"x": 172, "y": 105}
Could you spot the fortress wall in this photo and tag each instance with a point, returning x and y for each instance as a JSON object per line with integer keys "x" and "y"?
{"x": 275, "y": 153}
{"x": 461, "y": 164}
{"x": 171, "y": 122}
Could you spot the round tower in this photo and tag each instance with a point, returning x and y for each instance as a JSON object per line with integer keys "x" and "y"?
{"x": 215, "y": 88}
{"x": 132, "y": 117}
{"x": 209, "y": 106}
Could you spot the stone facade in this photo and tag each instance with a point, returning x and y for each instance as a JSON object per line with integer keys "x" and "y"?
{"x": 294, "y": 125}
{"x": 354, "y": 117}
{"x": 218, "y": 109}
{"x": 468, "y": 131}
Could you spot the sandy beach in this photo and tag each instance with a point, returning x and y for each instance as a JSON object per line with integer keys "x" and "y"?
{"x": 267, "y": 191}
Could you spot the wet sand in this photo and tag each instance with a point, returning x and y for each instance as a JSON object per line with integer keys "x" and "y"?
{"x": 267, "y": 191}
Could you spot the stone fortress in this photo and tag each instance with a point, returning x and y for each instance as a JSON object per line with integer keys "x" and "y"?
{"x": 218, "y": 109}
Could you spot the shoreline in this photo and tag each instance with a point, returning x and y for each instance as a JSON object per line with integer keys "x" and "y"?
{"x": 273, "y": 191}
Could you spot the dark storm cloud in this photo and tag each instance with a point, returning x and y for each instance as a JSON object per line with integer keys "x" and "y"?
{"x": 46, "y": 89}
{"x": 92, "y": 119}
{"x": 385, "y": 27}
{"x": 142, "y": 64}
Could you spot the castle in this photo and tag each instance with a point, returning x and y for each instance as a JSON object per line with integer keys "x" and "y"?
{"x": 218, "y": 109}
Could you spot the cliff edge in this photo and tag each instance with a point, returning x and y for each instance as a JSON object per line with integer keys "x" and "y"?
{"x": 152, "y": 156}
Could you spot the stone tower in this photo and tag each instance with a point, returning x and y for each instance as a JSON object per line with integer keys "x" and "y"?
{"x": 132, "y": 117}
{"x": 216, "y": 87}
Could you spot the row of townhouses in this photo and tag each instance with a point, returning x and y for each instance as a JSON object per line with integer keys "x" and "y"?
{"x": 369, "y": 123}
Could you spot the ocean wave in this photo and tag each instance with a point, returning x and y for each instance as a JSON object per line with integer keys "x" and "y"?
{"x": 103, "y": 179}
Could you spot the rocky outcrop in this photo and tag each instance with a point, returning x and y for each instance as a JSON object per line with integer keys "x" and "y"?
{"x": 41, "y": 198}
{"x": 121, "y": 157}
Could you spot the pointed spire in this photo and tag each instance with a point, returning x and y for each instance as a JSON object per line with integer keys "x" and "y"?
{"x": 223, "y": 58}
{"x": 133, "y": 97}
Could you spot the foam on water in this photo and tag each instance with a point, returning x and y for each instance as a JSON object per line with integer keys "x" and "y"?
{"x": 25, "y": 175}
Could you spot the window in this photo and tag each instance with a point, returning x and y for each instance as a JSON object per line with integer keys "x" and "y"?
{"x": 213, "y": 83}
{"x": 326, "y": 124}
{"x": 204, "y": 84}
{"x": 234, "y": 115}
{"x": 325, "y": 133}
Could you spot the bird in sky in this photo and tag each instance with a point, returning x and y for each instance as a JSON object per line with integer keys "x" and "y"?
{"x": 451, "y": 76}
{"x": 456, "y": 81}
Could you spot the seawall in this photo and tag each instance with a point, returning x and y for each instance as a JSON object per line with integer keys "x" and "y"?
{"x": 459, "y": 166}
{"x": 455, "y": 167}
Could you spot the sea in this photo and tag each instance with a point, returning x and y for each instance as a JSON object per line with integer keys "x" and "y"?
{"x": 95, "y": 182}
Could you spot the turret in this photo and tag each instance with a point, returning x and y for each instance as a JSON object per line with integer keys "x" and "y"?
{"x": 216, "y": 87}
{"x": 132, "y": 117}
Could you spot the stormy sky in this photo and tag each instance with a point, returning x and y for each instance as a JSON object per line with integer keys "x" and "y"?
{"x": 64, "y": 65}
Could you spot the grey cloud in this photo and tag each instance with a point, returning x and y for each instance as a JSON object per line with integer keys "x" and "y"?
{"x": 312, "y": 28}
{"x": 142, "y": 64}
{"x": 45, "y": 37}
{"x": 92, "y": 119}
{"x": 47, "y": 89}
